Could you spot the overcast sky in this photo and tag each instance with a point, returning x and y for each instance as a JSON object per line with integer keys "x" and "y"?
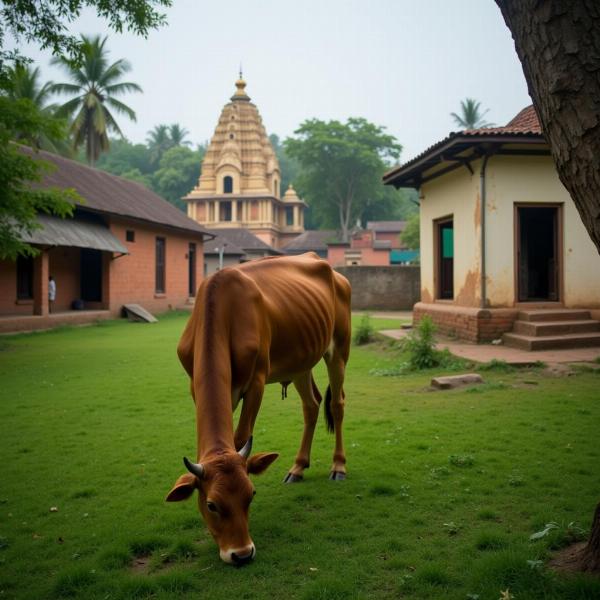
{"x": 403, "y": 65}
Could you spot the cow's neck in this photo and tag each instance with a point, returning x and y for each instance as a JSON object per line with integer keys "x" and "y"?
{"x": 212, "y": 387}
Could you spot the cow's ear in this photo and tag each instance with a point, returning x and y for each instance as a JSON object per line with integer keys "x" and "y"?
{"x": 184, "y": 487}
{"x": 259, "y": 463}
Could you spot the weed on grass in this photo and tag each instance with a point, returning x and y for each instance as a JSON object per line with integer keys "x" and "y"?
{"x": 95, "y": 421}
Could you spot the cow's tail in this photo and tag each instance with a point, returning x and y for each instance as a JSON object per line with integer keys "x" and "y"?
{"x": 328, "y": 413}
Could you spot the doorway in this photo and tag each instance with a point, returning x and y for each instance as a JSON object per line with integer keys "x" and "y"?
{"x": 91, "y": 275}
{"x": 444, "y": 241}
{"x": 538, "y": 253}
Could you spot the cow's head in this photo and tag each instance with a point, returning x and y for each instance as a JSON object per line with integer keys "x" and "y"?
{"x": 224, "y": 496}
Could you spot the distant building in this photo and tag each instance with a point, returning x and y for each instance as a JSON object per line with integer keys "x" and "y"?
{"x": 501, "y": 239}
{"x": 124, "y": 245}
{"x": 388, "y": 230}
{"x": 240, "y": 182}
{"x": 363, "y": 249}
{"x": 235, "y": 246}
{"x": 315, "y": 240}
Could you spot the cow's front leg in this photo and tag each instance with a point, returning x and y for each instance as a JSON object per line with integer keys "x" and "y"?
{"x": 250, "y": 407}
{"x": 311, "y": 400}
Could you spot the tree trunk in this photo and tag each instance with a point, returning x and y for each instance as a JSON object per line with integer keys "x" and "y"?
{"x": 558, "y": 43}
{"x": 590, "y": 556}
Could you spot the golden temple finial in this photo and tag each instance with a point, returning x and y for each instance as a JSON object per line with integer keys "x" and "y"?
{"x": 240, "y": 84}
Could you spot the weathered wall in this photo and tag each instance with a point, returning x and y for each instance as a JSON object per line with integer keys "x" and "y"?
{"x": 453, "y": 195}
{"x": 132, "y": 277}
{"x": 522, "y": 179}
{"x": 383, "y": 288}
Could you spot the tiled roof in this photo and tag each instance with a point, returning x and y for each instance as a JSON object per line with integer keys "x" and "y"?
{"x": 107, "y": 193}
{"x": 229, "y": 248}
{"x": 245, "y": 240}
{"x": 386, "y": 226}
{"x": 312, "y": 240}
{"x": 524, "y": 125}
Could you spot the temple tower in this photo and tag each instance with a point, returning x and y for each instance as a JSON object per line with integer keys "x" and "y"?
{"x": 240, "y": 181}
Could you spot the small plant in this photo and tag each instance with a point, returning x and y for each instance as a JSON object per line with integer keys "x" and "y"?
{"x": 461, "y": 460}
{"x": 452, "y": 528}
{"x": 420, "y": 345}
{"x": 364, "y": 331}
{"x": 497, "y": 366}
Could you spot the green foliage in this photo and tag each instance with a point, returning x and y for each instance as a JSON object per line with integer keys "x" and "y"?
{"x": 19, "y": 201}
{"x": 177, "y": 174}
{"x": 47, "y": 24}
{"x": 470, "y": 116}
{"x": 410, "y": 237}
{"x": 23, "y": 83}
{"x": 364, "y": 331}
{"x": 124, "y": 157}
{"x": 95, "y": 85}
{"x": 420, "y": 345}
{"x": 288, "y": 165}
{"x": 497, "y": 366}
{"x": 341, "y": 168}
{"x": 117, "y": 417}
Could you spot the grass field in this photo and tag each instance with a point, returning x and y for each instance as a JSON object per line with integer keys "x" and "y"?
{"x": 443, "y": 490}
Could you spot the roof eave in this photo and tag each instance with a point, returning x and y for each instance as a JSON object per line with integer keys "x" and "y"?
{"x": 404, "y": 173}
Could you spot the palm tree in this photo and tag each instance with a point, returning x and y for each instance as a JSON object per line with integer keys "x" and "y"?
{"x": 158, "y": 141}
{"x": 95, "y": 84}
{"x": 177, "y": 134}
{"x": 471, "y": 117}
{"x": 23, "y": 83}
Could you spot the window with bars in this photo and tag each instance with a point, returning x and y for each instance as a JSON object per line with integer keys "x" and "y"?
{"x": 160, "y": 286}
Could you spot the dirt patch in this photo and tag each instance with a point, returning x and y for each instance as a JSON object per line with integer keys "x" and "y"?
{"x": 140, "y": 565}
{"x": 568, "y": 560}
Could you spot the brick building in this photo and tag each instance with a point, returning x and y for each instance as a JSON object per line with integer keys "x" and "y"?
{"x": 124, "y": 245}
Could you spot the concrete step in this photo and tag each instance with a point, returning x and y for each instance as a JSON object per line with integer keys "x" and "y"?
{"x": 557, "y": 314}
{"x": 551, "y": 342}
{"x": 542, "y": 328}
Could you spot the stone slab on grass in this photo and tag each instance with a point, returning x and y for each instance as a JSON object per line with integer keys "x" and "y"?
{"x": 453, "y": 381}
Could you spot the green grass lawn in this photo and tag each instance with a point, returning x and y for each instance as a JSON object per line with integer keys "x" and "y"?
{"x": 443, "y": 490}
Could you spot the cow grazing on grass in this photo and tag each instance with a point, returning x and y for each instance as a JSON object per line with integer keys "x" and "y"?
{"x": 264, "y": 321}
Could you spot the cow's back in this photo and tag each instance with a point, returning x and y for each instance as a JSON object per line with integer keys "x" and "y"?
{"x": 299, "y": 300}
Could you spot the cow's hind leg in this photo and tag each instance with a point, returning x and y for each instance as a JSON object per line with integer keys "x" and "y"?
{"x": 311, "y": 399}
{"x": 334, "y": 410}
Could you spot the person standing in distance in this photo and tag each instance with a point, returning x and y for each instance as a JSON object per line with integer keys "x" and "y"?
{"x": 51, "y": 292}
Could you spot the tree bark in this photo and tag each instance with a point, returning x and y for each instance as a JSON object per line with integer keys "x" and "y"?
{"x": 558, "y": 43}
{"x": 590, "y": 556}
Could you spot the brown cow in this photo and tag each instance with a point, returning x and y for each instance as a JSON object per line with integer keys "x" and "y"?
{"x": 264, "y": 321}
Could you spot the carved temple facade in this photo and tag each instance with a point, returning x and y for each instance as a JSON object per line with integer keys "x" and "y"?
{"x": 240, "y": 181}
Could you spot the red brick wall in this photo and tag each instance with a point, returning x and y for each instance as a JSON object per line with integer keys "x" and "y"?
{"x": 64, "y": 266}
{"x": 132, "y": 278}
{"x": 470, "y": 324}
{"x": 8, "y": 291}
{"x": 392, "y": 237}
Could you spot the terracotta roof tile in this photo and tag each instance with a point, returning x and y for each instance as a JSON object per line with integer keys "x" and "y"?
{"x": 107, "y": 193}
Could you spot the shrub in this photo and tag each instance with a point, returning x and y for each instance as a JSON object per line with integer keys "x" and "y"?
{"x": 363, "y": 333}
{"x": 420, "y": 345}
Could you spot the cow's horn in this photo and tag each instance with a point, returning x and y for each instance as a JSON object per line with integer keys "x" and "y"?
{"x": 245, "y": 451}
{"x": 194, "y": 468}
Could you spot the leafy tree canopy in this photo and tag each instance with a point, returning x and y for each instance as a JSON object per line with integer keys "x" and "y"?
{"x": 44, "y": 22}
{"x": 178, "y": 173}
{"x": 411, "y": 235}
{"x": 20, "y": 201}
{"x": 341, "y": 168}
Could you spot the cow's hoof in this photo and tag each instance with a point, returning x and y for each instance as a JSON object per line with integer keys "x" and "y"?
{"x": 337, "y": 476}
{"x": 291, "y": 478}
